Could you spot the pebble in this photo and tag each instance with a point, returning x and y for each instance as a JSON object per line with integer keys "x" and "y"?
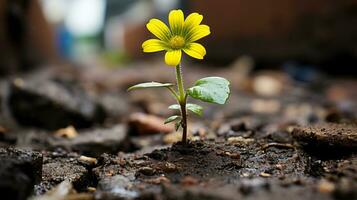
{"x": 268, "y": 84}
{"x": 88, "y": 160}
{"x": 144, "y": 124}
{"x": 240, "y": 139}
{"x": 250, "y": 185}
{"x": 172, "y": 138}
{"x": 2, "y": 130}
{"x": 169, "y": 167}
{"x": 68, "y": 132}
{"x": 265, "y": 106}
{"x": 233, "y": 155}
{"x": 147, "y": 171}
{"x": 265, "y": 175}
{"x": 159, "y": 180}
{"x": 281, "y": 137}
{"x": 325, "y": 186}
{"x": 91, "y": 189}
{"x": 279, "y": 166}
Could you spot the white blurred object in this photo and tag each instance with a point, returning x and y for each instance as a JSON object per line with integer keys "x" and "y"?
{"x": 55, "y": 10}
{"x": 162, "y": 6}
{"x": 85, "y": 17}
{"x": 267, "y": 85}
{"x": 137, "y": 14}
{"x": 115, "y": 27}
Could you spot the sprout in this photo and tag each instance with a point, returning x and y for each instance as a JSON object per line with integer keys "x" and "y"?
{"x": 182, "y": 36}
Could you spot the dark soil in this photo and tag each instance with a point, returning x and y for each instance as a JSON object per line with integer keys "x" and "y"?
{"x": 211, "y": 170}
{"x": 19, "y": 171}
{"x": 296, "y": 144}
{"x": 334, "y": 138}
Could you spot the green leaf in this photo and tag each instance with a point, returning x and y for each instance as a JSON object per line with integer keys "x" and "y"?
{"x": 174, "y": 107}
{"x": 177, "y": 125}
{"x": 150, "y": 85}
{"x": 211, "y": 90}
{"x": 172, "y": 118}
{"x": 197, "y": 109}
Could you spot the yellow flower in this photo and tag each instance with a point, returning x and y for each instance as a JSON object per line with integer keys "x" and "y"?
{"x": 182, "y": 35}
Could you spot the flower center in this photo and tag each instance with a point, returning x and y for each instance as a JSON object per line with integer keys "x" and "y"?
{"x": 177, "y": 42}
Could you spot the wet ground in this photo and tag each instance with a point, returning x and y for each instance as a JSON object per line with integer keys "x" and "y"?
{"x": 73, "y": 133}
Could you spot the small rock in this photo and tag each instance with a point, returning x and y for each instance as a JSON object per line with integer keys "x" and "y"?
{"x": 245, "y": 134}
{"x": 240, "y": 140}
{"x": 29, "y": 160}
{"x": 279, "y": 166}
{"x": 264, "y": 174}
{"x": 114, "y": 182}
{"x": 19, "y": 171}
{"x": 198, "y": 130}
{"x": 233, "y": 155}
{"x": 91, "y": 189}
{"x": 157, "y": 155}
{"x": 63, "y": 191}
{"x": 88, "y": 160}
{"x": 172, "y": 138}
{"x": 2, "y": 130}
{"x": 224, "y": 129}
{"x": 69, "y": 132}
{"x": 158, "y": 180}
{"x": 169, "y": 167}
{"x": 325, "y": 186}
{"x": 346, "y": 189}
{"x": 144, "y": 124}
{"x": 265, "y": 106}
{"x": 281, "y": 137}
{"x": 269, "y": 84}
{"x": 95, "y": 142}
{"x": 114, "y": 105}
{"x": 147, "y": 171}
{"x": 251, "y": 185}
{"x": 7, "y": 137}
{"x": 52, "y": 105}
{"x": 244, "y": 126}
{"x": 56, "y": 170}
{"x": 238, "y": 125}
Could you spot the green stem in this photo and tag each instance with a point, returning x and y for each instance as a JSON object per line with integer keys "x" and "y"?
{"x": 182, "y": 102}
{"x": 180, "y": 86}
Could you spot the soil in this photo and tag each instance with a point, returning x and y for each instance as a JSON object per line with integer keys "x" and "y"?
{"x": 217, "y": 170}
{"x": 295, "y": 144}
{"x": 328, "y": 137}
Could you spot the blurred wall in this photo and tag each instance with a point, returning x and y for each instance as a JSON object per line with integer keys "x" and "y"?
{"x": 315, "y": 31}
{"x": 26, "y": 39}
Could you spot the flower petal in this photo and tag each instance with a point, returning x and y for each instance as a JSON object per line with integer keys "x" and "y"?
{"x": 192, "y": 20}
{"x": 197, "y": 33}
{"x": 173, "y": 58}
{"x": 176, "y": 21}
{"x": 195, "y": 50}
{"x": 153, "y": 45}
{"x": 159, "y": 29}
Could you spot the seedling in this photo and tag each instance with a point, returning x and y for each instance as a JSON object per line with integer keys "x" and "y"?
{"x": 182, "y": 36}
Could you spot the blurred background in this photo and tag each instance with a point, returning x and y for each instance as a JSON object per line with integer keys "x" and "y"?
{"x": 277, "y": 34}
{"x": 66, "y": 65}
{"x": 289, "y": 58}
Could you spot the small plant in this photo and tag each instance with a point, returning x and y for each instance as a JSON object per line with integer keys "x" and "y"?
{"x": 182, "y": 36}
